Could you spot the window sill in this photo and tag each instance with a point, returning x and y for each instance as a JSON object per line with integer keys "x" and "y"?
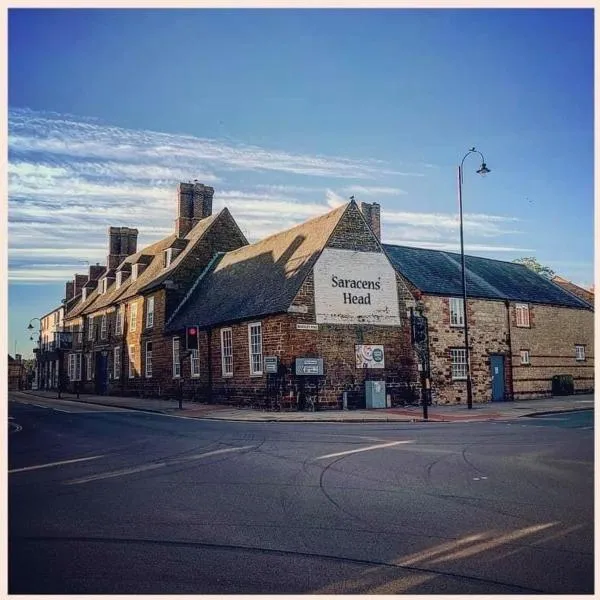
{"x": 457, "y": 326}
{"x": 256, "y": 374}
{"x": 226, "y": 375}
{"x": 459, "y": 379}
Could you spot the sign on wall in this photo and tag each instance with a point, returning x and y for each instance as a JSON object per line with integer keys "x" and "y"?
{"x": 355, "y": 287}
{"x": 369, "y": 356}
{"x": 309, "y": 366}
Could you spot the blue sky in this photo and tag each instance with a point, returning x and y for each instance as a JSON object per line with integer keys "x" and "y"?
{"x": 286, "y": 113}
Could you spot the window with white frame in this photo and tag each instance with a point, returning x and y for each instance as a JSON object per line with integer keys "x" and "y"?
{"x": 90, "y": 328}
{"x": 131, "y": 362}
{"x": 150, "y": 312}
{"x": 524, "y": 354}
{"x": 167, "y": 257}
{"x": 103, "y": 327}
{"x": 459, "y": 363}
{"x": 119, "y": 321}
{"x": 133, "y": 316}
{"x": 457, "y": 312}
{"x": 195, "y": 363}
{"x": 117, "y": 363}
{"x": 226, "y": 352}
{"x": 88, "y": 366}
{"x": 255, "y": 348}
{"x": 119, "y": 279}
{"x": 522, "y": 312}
{"x": 579, "y": 352}
{"x": 78, "y": 358}
{"x": 176, "y": 363}
{"x": 84, "y": 292}
{"x": 71, "y": 367}
{"x": 134, "y": 272}
{"x": 148, "y": 359}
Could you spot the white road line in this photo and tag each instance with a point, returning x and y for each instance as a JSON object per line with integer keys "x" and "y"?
{"x": 59, "y": 410}
{"x": 55, "y": 464}
{"x": 363, "y": 449}
{"x": 151, "y": 466}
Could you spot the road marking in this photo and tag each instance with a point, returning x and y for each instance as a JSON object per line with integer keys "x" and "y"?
{"x": 364, "y": 449}
{"x": 151, "y": 466}
{"x": 55, "y": 464}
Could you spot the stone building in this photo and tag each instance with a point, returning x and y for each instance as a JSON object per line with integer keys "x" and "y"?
{"x": 523, "y": 329}
{"x": 308, "y": 315}
{"x": 119, "y": 345}
{"x": 585, "y": 294}
{"x": 17, "y": 376}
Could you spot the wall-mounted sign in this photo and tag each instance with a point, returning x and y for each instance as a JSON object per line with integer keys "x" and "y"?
{"x": 369, "y": 356}
{"x": 309, "y": 366}
{"x": 307, "y": 326}
{"x": 298, "y": 308}
{"x": 355, "y": 287}
{"x": 271, "y": 364}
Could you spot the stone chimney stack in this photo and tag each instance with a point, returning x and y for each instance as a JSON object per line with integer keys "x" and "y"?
{"x": 372, "y": 215}
{"x": 69, "y": 290}
{"x": 201, "y": 202}
{"x": 122, "y": 242}
{"x": 95, "y": 272}
{"x": 78, "y": 284}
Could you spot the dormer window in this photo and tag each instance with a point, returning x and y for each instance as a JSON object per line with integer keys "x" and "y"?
{"x": 167, "y": 257}
{"x": 134, "y": 271}
{"x": 84, "y": 292}
{"x": 119, "y": 279}
{"x": 102, "y": 286}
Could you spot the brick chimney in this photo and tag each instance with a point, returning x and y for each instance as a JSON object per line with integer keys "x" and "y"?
{"x": 78, "y": 284}
{"x": 69, "y": 290}
{"x": 194, "y": 203}
{"x": 122, "y": 242}
{"x": 372, "y": 215}
{"x": 95, "y": 272}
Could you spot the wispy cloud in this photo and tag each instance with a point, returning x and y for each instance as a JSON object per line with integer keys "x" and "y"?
{"x": 374, "y": 190}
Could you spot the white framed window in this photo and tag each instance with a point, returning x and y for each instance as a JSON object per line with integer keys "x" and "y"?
{"x": 119, "y": 279}
{"x": 226, "y": 352}
{"x": 167, "y": 257}
{"x": 117, "y": 362}
{"x": 195, "y": 363}
{"x": 71, "y": 367}
{"x": 255, "y": 348}
{"x": 119, "y": 321}
{"x": 88, "y": 366}
{"x": 524, "y": 354}
{"x": 134, "y": 272}
{"x": 133, "y": 316}
{"x": 150, "y": 312}
{"x": 579, "y": 352}
{"x": 84, "y": 292}
{"x": 103, "y": 327}
{"x": 457, "y": 312}
{"x": 90, "y": 328}
{"x": 176, "y": 363}
{"x": 148, "y": 368}
{"x": 459, "y": 363}
{"x": 131, "y": 362}
{"x": 522, "y": 312}
{"x": 77, "y": 375}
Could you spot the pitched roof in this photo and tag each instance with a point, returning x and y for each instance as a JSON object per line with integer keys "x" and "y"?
{"x": 585, "y": 295}
{"x": 439, "y": 272}
{"x": 154, "y": 270}
{"x": 258, "y": 279}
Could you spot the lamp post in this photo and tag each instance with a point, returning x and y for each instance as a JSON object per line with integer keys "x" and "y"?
{"x": 483, "y": 170}
{"x": 38, "y": 357}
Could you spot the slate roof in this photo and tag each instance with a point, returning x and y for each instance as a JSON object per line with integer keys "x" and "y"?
{"x": 438, "y": 272}
{"x": 585, "y": 295}
{"x": 154, "y": 273}
{"x": 258, "y": 279}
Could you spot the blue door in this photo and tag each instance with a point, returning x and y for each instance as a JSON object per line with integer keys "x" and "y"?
{"x": 497, "y": 368}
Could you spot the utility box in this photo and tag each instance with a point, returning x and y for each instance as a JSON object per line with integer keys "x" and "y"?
{"x": 375, "y": 394}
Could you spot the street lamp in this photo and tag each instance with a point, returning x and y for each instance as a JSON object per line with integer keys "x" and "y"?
{"x": 38, "y": 358}
{"x": 483, "y": 170}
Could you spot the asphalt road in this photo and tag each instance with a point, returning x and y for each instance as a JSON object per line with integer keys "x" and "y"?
{"x": 109, "y": 501}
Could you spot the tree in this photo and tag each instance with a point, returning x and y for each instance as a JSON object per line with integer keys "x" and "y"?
{"x": 532, "y": 263}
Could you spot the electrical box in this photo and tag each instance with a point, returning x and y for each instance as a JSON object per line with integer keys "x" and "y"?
{"x": 375, "y": 394}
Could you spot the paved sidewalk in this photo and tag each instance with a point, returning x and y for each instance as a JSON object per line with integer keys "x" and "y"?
{"x": 460, "y": 413}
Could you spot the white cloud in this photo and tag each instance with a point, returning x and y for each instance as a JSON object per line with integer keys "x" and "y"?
{"x": 454, "y": 246}
{"x": 374, "y": 190}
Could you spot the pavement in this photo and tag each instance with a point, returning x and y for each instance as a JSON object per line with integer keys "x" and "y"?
{"x": 496, "y": 411}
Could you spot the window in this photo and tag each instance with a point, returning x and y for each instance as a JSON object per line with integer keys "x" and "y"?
{"x": 148, "y": 359}
{"x": 134, "y": 272}
{"x": 77, "y": 367}
{"x": 90, "y": 328}
{"x": 579, "y": 352}
{"x": 119, "y": 280}
{"x": 84, "y": 294}
{"x": 133, "y": 316}
{"x": 167, "y": 257}
{"x": 457, "y": 312}
{"x": 103, "y": 327}
{"x": 71, "y": 367}
{"x": 131, "y": 362}
{"x": 226, "y": 353}
{"x": 524, "y": 354}
{"x": 176, "y": 363}
{"x": 255, "y": 347}
{"x": 150, "y": 312}
{"x": 459, "y": 363}
{"x": 195, "y": 363}
{"x": 522, "y": 312}
{"x": 88, "y": 366}
{"x": 119, "y": 321}
{"x": 117, "y": 363}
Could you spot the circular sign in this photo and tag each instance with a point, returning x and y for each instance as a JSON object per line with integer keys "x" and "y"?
{"x": 377, "y": 354}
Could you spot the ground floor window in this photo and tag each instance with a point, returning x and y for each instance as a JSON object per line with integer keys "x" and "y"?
{"x": 255, "y": 347}
{"x": 195, "y": 363}
{"x": 579, "y": 352}
{"x": 88, "y": 366}
{"x": 148, "y": 359}
{"x": 226, "y": 353}
{"x": 176, "y": 363}
{"x": 524, "y": 354}
{"x": 117, "y": 363}
{"x": 459, "y": 363}
{"x": 131, "y": 362}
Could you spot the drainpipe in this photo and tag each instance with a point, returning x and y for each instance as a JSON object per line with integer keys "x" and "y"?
{"x": 510, "y": 353}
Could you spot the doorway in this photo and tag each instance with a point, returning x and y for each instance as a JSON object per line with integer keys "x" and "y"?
{"x": 497, "y": 373}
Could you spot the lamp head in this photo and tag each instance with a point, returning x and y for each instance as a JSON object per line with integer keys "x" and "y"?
{"x": 483, "y": 170}
{"x": 31, "y": 338}
{"x": 30, "y": 326}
